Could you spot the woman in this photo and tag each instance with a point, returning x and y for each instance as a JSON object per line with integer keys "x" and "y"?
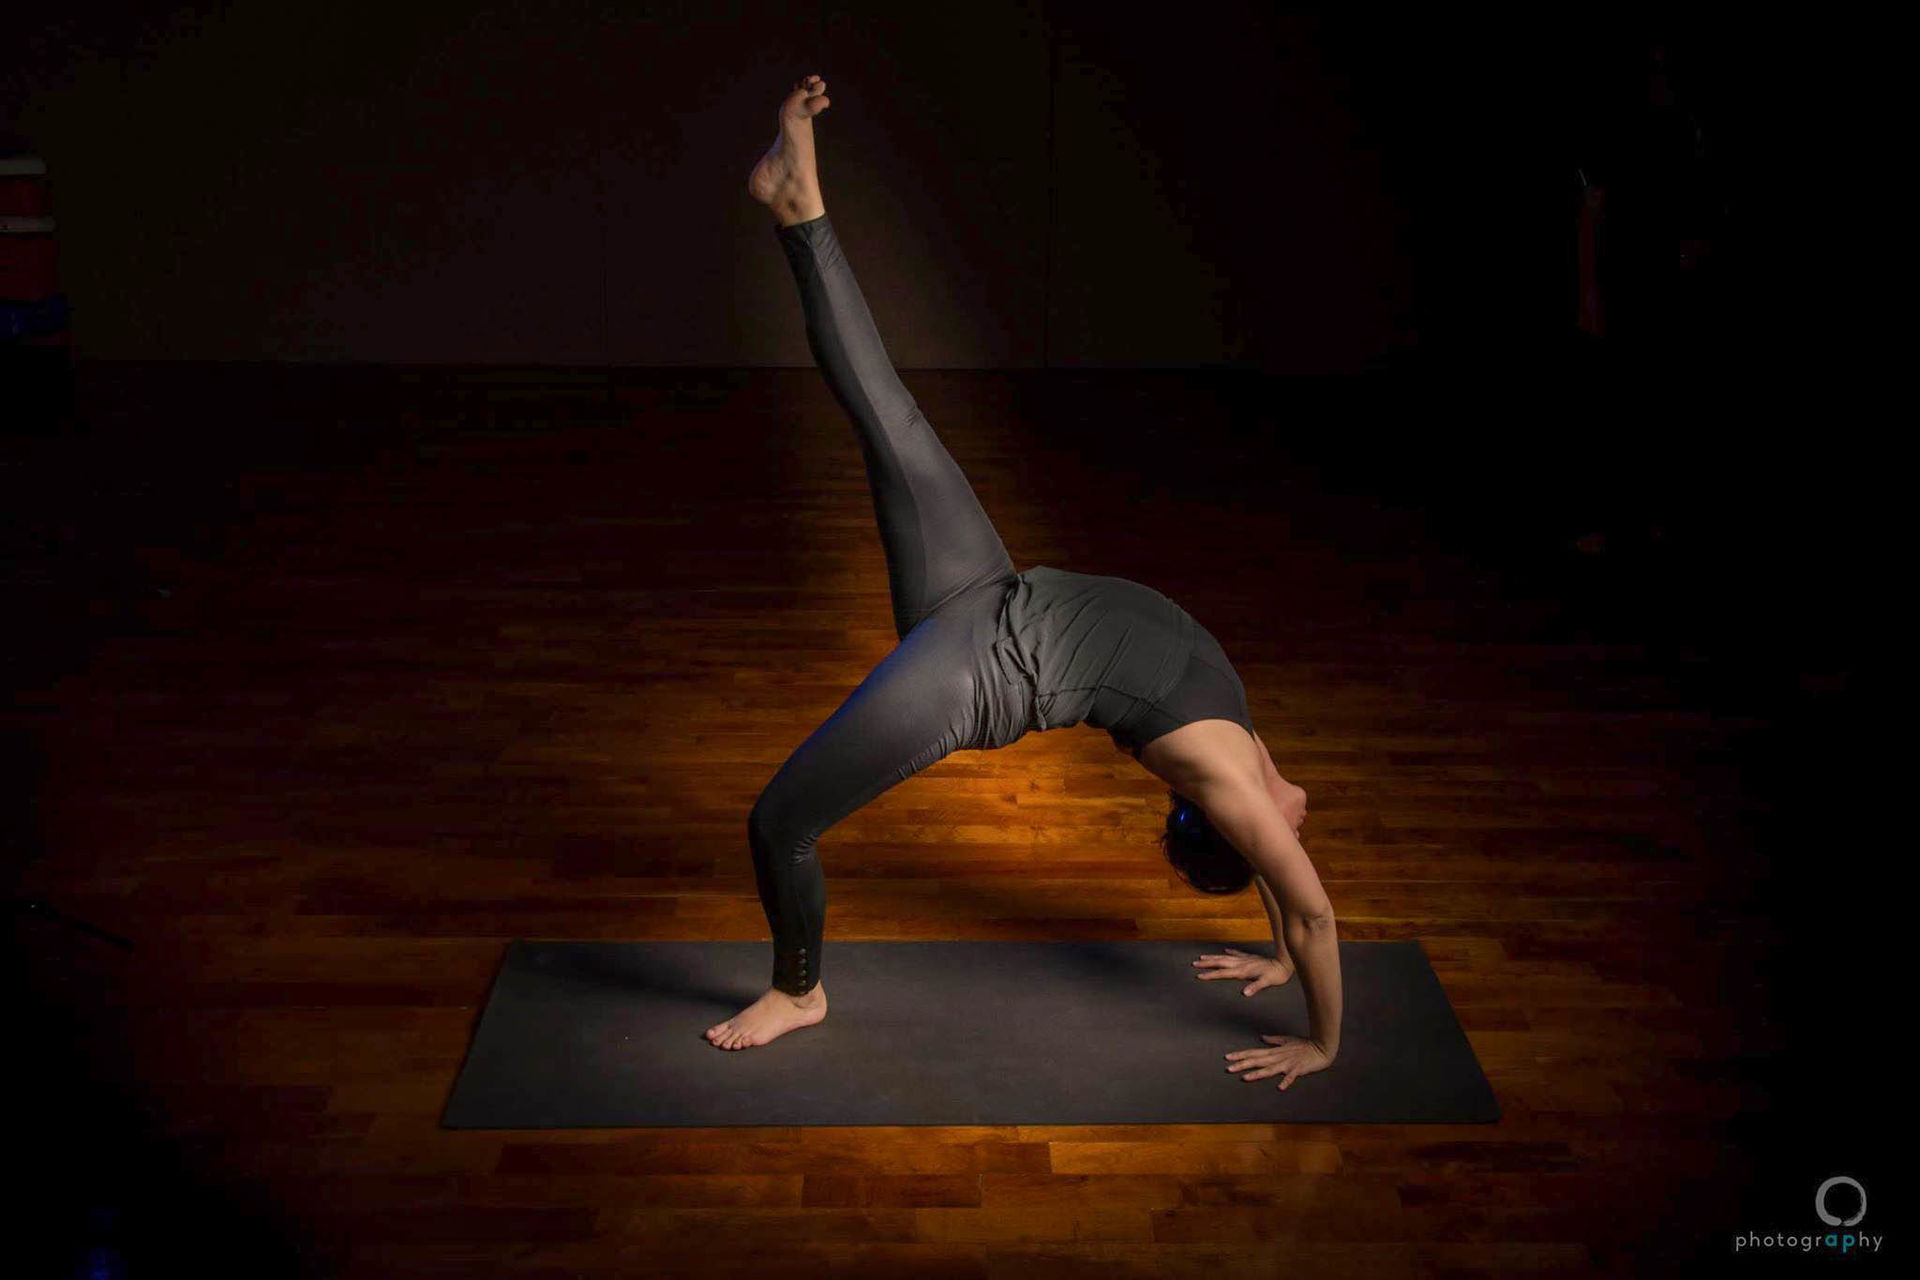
{"x": 987, "y": 655}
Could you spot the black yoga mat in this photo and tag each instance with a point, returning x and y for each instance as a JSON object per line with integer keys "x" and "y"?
{"x": 586, "y": 1034}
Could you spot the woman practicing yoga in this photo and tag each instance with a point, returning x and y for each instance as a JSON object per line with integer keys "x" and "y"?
{"x": 987, "y": 655}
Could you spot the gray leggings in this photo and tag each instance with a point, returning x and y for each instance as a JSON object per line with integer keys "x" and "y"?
{"x": 946, "y": 568}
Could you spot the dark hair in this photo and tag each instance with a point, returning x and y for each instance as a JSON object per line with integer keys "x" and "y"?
{"x": 1202, "y": 856}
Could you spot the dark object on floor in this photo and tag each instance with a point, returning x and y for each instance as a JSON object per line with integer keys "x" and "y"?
{"x": 585, "y": 1034}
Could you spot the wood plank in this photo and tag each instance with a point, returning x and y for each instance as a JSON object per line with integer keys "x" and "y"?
{"x": 404, "y": 705}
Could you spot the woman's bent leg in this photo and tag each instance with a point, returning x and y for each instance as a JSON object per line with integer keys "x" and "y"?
{"x": 911, "y": 711}
{"x": 938, "y": 539}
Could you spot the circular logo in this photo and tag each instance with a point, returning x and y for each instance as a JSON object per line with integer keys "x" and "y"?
{"x": 1820, "y": 1201}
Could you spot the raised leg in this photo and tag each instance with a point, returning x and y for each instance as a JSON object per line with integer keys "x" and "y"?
{"x": 939, "y": 541}
{"x": 937, "y": 537}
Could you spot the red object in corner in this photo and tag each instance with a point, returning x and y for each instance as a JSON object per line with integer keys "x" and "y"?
{"x": 24, "y": 191}
{"x": 29, "y": 262}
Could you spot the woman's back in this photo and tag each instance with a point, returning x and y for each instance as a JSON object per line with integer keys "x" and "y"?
{"x": 1093, "y": 646}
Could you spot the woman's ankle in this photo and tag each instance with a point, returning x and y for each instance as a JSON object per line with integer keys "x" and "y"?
{"x": 814, "y": 998}
{"x": 802, "y": 206}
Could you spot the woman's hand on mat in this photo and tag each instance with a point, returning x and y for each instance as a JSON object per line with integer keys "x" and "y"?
{"x": 1291, "y": 1059}
{"x": 1263, "y": 972}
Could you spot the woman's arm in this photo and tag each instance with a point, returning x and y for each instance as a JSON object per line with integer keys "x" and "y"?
{"x": 1275, "y": 917}
{"x": 1242, "y": 810}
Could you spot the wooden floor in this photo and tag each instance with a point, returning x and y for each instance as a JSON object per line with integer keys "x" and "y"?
{"x": 339, "y": 692}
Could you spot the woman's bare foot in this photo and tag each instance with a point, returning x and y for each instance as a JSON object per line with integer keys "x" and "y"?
{"x": 787, "y": 180}
{"x": 768, "y": 1018}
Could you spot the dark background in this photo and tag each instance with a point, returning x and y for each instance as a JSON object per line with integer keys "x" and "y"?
{"x": 1034, "y": 185}
{"x": 1248, "y": 200}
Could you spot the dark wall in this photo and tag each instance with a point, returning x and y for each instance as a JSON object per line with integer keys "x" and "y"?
{"x": 1026, "y": 183}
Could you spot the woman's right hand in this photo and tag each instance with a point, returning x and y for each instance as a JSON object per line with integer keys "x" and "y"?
{"x": 1243, "y": 964}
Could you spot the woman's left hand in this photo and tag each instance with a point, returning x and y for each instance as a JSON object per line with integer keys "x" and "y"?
{"x": 1292, "y": 1057}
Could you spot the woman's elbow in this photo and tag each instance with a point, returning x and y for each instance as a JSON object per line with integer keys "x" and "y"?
{"x": 1313, "y": 916}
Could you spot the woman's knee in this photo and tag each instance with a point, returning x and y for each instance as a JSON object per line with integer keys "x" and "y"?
{"x": 773, "y": 834}
{"x": 762, "y": 831}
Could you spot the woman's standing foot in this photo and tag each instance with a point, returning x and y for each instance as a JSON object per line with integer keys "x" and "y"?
{"x": 786, "y": 179}
{"x": 768, "y": 1018}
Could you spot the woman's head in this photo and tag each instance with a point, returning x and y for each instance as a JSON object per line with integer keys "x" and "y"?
{"x": 1200, "y": 853}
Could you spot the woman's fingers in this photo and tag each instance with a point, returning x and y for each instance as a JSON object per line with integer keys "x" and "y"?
{"x": 1253, "y": 1058}
{"x": 1262, "y": 1057}
{"x": 1236, "y": 964}
{"x": 1264, "y": 1067}
{"x": 1289, "y": 1061}
{"x": 1226, "y": 969}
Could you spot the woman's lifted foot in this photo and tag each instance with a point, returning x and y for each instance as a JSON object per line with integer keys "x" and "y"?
{"x": 768, "y": 1018}
{"x": 786, "y": 179}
